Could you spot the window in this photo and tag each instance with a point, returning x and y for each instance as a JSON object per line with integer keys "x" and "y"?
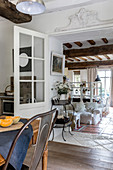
{"x": 105, "y": 76}
{"x": 77, "y": 78}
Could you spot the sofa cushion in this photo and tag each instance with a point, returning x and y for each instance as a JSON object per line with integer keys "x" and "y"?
{"x": 90, "y": 106}
{"x": 79, "y": 106}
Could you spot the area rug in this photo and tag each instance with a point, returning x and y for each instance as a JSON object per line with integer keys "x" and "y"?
{"x": 80, "y": 128}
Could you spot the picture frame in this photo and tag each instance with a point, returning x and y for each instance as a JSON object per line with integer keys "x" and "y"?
{"x": 57, "y": 64}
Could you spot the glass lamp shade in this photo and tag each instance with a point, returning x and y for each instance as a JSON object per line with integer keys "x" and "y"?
{"x": 31, "y": 7}
{"x": 98, "y": 78}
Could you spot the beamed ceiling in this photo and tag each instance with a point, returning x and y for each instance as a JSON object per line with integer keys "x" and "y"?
{"x": 8, "y": 10}
{"x": 82, "y": 54}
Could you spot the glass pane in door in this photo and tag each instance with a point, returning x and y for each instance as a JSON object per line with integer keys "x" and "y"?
{"x": 38, "y": 47}
{"x": 39, "y": 69}
{"x": 25, "y": 92}
{"x": 108, "y": 87}
{"x": 101, "y": 74}
{"x": 108, "y": 73}
{"x": 25, "y": 42}
{"x": 25, "y": 56}
{"x": 25, "y": 68}
{"x": 39, "y": 92}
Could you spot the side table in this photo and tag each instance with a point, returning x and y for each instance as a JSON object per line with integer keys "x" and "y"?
{"x": 63, "y": 122}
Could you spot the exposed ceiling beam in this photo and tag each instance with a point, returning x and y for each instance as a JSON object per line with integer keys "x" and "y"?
{"x": 84, "y": 59}
{"x": 98, "y": 57}
{"x": 81, "y": 65}
{"x": 92, "y": 42}
{"x": 105, "y": 40}
{"x": 90, "y": 58}
{"x": 106, "y": 56}
{"x": 69, "y": 59}
{"x": 78, "y": 43}
{"x": 68, "y": 45}
{"x": 76, "y": 59}
{"x": 92, "y": 51}
{"x": 9, "y": 11}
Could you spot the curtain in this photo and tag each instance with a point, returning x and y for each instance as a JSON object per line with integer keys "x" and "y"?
{"x": 91, "y": 74}
{"x": 111, "y": 94}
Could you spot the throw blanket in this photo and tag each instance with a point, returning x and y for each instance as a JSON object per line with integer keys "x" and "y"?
{"x": 19, "y": 153}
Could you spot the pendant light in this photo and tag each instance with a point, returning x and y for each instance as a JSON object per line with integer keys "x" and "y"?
{"x": 31, "y": 7}
{"x": 98, "y": 78}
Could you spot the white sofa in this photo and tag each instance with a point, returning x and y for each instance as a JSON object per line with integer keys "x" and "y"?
{"x": 90, "y": 112}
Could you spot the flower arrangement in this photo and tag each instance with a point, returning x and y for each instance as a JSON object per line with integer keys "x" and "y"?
{"x": 84, "y": 89}
{"x": 62, "y": 88}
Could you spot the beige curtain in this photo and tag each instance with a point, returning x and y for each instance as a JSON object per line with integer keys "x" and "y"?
{"x": 91, "y": 74}
{"x": 111, "y": 94}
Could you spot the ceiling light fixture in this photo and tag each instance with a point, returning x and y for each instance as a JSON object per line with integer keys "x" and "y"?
{"x": 31, "y": 7}
{"x": 98, "y": 78}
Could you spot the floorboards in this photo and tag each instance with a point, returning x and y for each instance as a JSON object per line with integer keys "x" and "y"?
{"x": 71, "y": 157}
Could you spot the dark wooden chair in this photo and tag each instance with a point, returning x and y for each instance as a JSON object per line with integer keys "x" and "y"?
{"x": 46, "y": 124}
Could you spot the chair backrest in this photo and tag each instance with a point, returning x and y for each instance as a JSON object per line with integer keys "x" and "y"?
{"x": 43, "y": 134}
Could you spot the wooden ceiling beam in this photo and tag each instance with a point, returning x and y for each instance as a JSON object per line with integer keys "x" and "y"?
{"x": 90, "y": 58}
{"x": 92, "y": 51}
{"x": 76, "y": 59}
{"x": 84, "y": 59}
{"x": 78, "y": 44}
{"x": 91, "y": 42}
{"x": 68, "y": 45}
{"x": 98, "y": 57}
{"x": 105, "y": 40}
{"x": 69, "y": 59}
{"x": 78, "y": 65}
{"x": 107, "y": 57}
{"x": 9, "y": 11}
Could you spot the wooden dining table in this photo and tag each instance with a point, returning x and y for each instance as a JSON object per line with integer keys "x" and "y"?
{"x": 35, "y": 126}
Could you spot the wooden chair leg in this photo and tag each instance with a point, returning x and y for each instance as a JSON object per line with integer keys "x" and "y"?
{"x": 44, "y": 159}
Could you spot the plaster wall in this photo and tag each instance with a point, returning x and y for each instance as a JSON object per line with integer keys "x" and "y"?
{"x": 47, "y": 23}
{"x": 6, "y": 45}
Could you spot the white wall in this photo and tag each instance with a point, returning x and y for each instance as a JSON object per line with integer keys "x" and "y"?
{"x": 54, "y": 46}
{"x": 6, "y": 46}
{"x": 70, "y": 75}
{"x": 47, "y": 23}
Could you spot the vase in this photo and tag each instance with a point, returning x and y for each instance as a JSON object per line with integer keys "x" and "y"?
{"x": 63, "y": 97}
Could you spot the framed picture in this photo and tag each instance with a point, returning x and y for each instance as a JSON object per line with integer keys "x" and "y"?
{"x": 57, "y": 64}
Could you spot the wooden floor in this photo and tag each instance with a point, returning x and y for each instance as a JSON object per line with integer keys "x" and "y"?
{"x": 71, "y": 157}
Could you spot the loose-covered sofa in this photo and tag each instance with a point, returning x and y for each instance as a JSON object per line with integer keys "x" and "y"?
{"x": 90, "y": 112}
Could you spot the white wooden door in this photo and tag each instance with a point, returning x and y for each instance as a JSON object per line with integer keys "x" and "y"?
{"x": 30, "y": 52}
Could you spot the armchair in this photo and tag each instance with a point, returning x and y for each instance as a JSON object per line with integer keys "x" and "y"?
{"x": 89, "y": 113}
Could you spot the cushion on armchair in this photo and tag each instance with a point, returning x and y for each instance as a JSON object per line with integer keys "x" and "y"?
{"x": 90, "y": 106}
{"x": 96, "y": 111}
{"x": 79, "y": 106}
